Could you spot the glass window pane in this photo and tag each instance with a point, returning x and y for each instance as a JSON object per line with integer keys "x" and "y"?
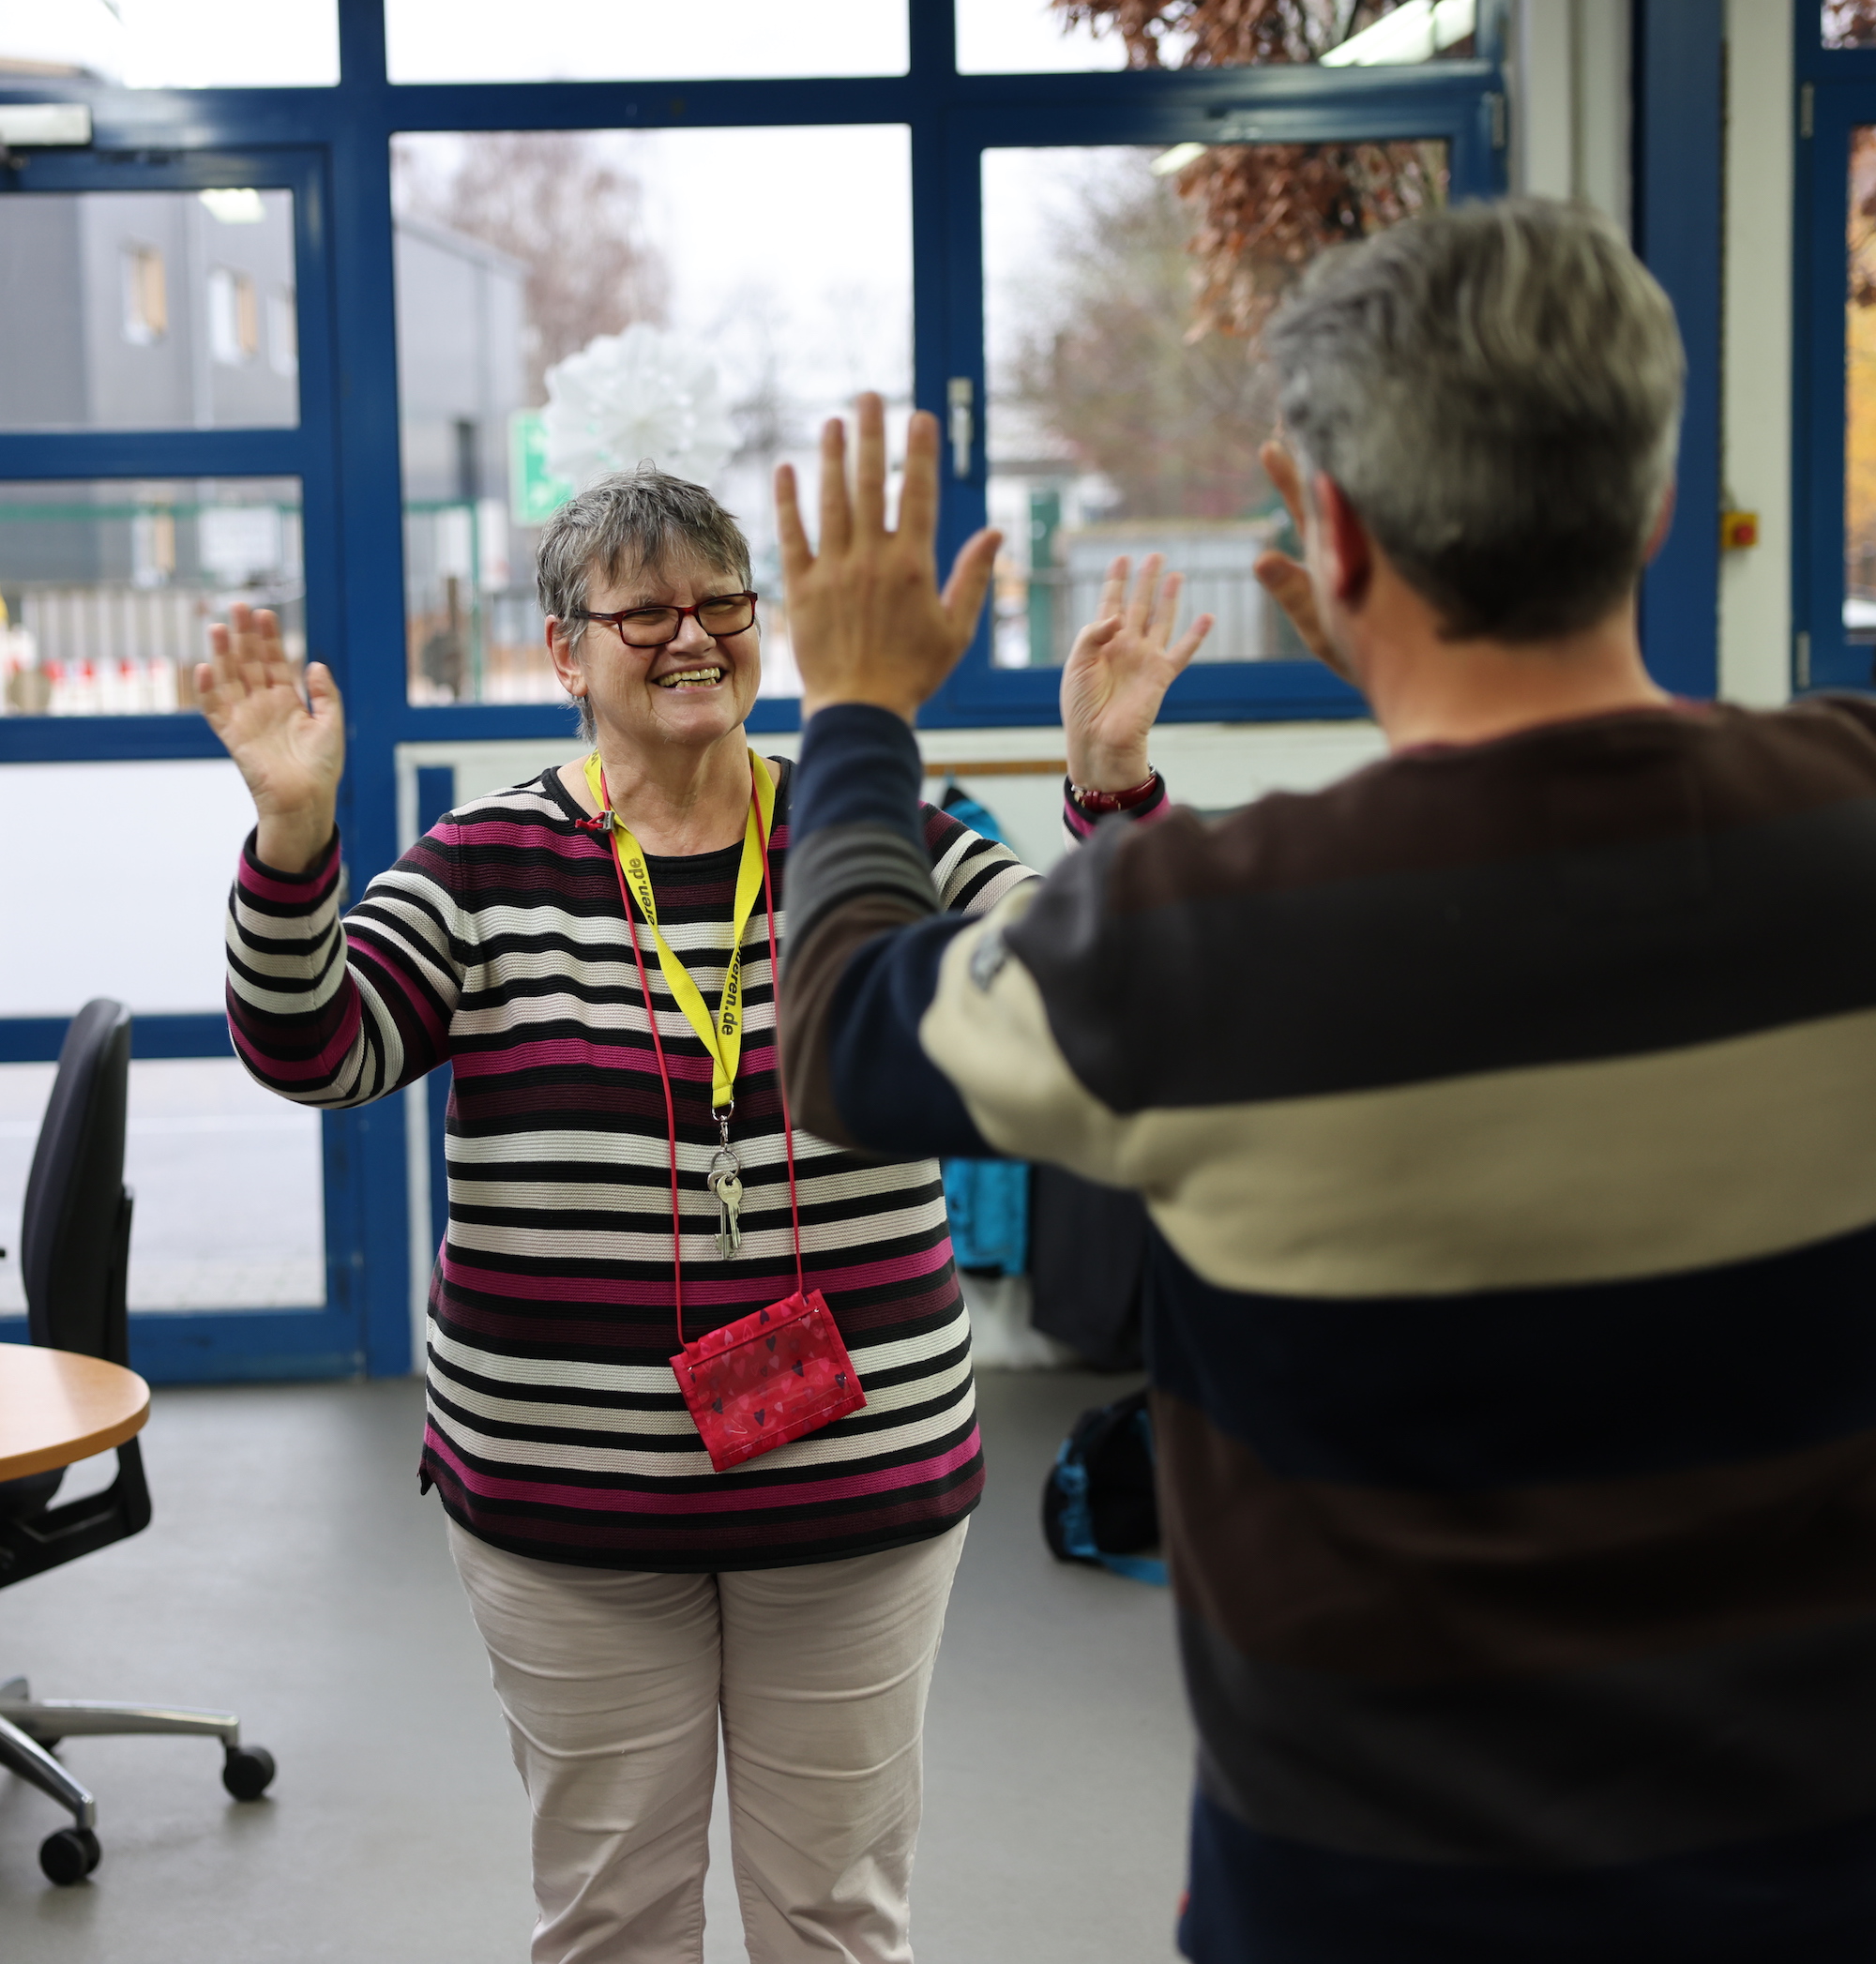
{"x": 515, "y": 252}
{"x": 1849, "y": 24}
{"x": 229, "y": 1188}
{"x": 147, "y": 311}
{"x": 1126, "y": 398}
{"x": 1859, "y": 435}
{"x": 1030, "y": 37}
{"x": 641, "y": 40}
{"x": 158, "y": 944}
{"x": 107, "y": 586}
{"x": 175, "y": 44}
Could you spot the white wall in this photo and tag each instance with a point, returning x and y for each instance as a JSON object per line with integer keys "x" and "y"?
{"x": 1211, "y": 766}
{"x": 1567, "y": 66}
{"x": 1570, "y": 90}
{"x": 1600, "y": 41}
{"x": 113, "y": 881}
{"x": 1540, "y": 75}
{"x": 1755, "y": 584}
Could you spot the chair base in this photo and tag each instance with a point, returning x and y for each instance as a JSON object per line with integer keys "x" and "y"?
{"x": 22, "y": 1754}
{"x": 29, "y": 1727}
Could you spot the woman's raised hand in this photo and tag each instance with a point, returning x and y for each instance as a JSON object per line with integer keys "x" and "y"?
{"x": 290, "y": 755}
{"x": 866, "y": 621}
{"x": 1118, "y": 674}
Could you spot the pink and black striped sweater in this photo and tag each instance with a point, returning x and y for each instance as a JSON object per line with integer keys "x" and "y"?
{"x": 497, "y": 945}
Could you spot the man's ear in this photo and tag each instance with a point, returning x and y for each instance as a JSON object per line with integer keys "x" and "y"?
{"x": 1663, "y": 519}
{"x": 1348, "y": 554}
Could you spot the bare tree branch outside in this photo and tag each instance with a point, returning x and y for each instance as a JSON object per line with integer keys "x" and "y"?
{"x": 553, "y": 200}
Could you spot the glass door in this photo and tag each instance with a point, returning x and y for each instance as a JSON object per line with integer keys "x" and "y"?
{"x": 166, "y": 449}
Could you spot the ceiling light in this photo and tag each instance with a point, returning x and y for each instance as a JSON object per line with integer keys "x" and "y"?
{"x": 1176, "y": 159}
{"x": 232, "y": 208}
{"x": 1416, "y": 32}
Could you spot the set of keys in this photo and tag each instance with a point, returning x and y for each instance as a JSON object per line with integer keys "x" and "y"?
{"x": 724, "y": 1180}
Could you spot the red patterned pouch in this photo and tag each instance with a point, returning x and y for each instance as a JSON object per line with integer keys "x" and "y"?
{"x": 767, "y": 1378}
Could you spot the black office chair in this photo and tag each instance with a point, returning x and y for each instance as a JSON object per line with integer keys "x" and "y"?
{"x": 74, "y": 1248}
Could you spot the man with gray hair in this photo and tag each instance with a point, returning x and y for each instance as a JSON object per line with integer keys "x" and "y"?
{"x": 1503, "y": 1112}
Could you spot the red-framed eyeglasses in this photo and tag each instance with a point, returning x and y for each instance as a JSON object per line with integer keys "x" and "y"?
{"x": 719, "y": 615}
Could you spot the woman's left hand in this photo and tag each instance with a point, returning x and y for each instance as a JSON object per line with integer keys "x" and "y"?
{"x": 1118, "y": 673}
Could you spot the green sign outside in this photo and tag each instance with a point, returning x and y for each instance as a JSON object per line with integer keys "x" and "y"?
{"x": 534, "y": 493}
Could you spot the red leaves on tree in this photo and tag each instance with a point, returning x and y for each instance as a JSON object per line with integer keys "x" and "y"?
{"x": 1264, "y": 210}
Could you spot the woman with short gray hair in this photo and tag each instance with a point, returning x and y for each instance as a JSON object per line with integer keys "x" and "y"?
{"x": 701, "y": 1410}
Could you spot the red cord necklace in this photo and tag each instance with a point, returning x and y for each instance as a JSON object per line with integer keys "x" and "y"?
{"x": 780, "y": 1372}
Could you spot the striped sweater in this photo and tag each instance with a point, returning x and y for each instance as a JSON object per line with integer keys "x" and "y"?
{"x": 497, "y": 945}
{"x": 1506, "y": 1116}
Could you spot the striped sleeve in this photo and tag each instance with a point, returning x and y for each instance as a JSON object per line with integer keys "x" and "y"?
{"x": 332, "y": 1011}
{"x": 971, "y": 873}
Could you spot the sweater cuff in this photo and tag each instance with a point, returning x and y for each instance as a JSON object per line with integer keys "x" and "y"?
{"x": 1149, "y": 812}
{"x": 306, "y": 889}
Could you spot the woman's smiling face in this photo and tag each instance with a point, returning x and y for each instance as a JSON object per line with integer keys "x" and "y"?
{"x": 692, "y": 691}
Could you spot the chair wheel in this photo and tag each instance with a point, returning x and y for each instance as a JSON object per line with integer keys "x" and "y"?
{"x": 70, "y": 1855}
{"x": 248, "y": 1771}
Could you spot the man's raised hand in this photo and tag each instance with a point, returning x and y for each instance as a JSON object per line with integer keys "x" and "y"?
{"x": 866, "y": 621}
{"x": 290, "y": 755}
{"x": 1286, "y": 579}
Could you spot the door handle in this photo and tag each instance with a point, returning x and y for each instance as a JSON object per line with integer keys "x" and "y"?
{"x": 961, "y": 396}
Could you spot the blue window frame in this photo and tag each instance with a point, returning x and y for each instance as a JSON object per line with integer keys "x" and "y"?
{"x": 331, "y": 147}
{"x": 1837, "y": 96}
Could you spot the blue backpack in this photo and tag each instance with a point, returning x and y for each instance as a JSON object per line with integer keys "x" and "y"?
{"x": 1098, "y": 1505}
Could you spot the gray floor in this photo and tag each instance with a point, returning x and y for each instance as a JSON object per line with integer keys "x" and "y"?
{"x": 293, "y": 1574}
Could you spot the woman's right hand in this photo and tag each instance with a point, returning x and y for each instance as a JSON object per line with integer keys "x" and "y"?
{"x": 291, "y": 757}
{"x": 1118, "y": 674}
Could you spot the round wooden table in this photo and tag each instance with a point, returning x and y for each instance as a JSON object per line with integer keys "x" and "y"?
{"x": 57, "y": 1408}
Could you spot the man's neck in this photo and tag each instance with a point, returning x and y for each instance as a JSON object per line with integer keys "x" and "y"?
{"x": 677, "y": 801}
{"x": 1427, "y": 691}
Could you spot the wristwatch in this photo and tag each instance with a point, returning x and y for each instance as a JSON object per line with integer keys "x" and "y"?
{"x": 1097, "y": 804}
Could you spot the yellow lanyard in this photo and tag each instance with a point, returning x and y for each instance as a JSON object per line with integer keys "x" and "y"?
{"x": 722, "y": 1035}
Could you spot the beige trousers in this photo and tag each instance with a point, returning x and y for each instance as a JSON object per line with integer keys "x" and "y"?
{"x": 612, "y": 1682}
